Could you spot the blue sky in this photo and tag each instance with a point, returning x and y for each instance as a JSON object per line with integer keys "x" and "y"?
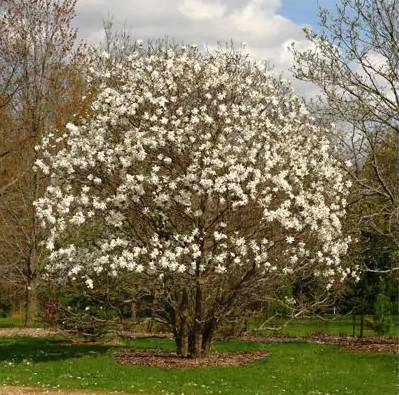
{"x": 304, "y": 11}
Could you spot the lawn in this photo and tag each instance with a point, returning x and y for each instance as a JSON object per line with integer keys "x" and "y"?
{"x": 331, "y": 325}
{"x": 14, "y": 321}
{"x": 295, "y": 368}
{"x": 338, "y": 325}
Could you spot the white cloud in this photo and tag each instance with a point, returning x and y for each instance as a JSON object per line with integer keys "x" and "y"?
{"x": 205, "y": 22}
{"x": 256, "y": 17}
{"x": 198, "y": 9}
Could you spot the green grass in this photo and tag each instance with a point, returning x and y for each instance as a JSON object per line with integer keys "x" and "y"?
{"x": 331, "y": 325}
{"x": 11, "y": 322}
{"x": 296, "y": 369}
{"x": 338, "y": 325}
{"x": 335, "y": 326}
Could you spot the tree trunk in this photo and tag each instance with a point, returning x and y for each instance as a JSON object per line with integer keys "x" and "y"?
{"x": 31, "y": 303}
{"x": 26, "y": 306}
{"x": 196, "y": 350}
{"x": 362, "y": 323}
{"x": 191, "y": 342}
{"x": 133, "y": 311}
{"x": 353, "y": 324}
{"x": 193, "y": 333}
{"x": 207, "y": 337}
{"x": 183, "y": 332}
{"x": 184, "y": 340}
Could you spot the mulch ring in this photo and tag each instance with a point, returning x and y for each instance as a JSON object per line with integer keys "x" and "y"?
{"x": 369, "y": 344}
{"x": 168, "y": 359}
{"x": 30, "y": 332}
{"x": 376, "y": 348}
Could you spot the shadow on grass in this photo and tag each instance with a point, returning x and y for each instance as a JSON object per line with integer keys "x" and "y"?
{"x": 22, "y": 349}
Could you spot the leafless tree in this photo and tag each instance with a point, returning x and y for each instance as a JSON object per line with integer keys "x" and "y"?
{"x": 36, "y": 57}
{"x": 354, "y": 61}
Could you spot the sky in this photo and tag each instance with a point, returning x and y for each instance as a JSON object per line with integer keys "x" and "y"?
{"x": 266, "y": 26}
{"x": 304, "y": 11}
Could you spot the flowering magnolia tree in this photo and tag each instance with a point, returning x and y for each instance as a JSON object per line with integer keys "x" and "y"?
{"x": 203, "y": 174}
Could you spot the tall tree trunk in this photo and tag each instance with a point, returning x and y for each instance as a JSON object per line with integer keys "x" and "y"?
{"x": 133, "y": 311}
{"x": 34, "y": 304}
{"x": 32, "y": 261}
{"x": 31, "y": 304}
{"x": 183, "y": 350}
{"x": 184, "y": 340}
{"x": 26, "y": 305}
{"x": 362, "y": 322}
{"x": 208, "y": 334}
{"x": 196, "y": 350}
{"x": 353, "y": 324}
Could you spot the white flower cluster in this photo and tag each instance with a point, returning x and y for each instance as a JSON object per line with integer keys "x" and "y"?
{"x": 193, "y": 163}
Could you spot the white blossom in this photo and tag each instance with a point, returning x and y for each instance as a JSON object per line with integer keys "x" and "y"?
{"x": 187, "y": 166}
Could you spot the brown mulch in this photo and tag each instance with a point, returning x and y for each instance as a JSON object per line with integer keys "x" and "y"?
{"x": 31, "y": 332}
{"x": 364, "y": 340}
{"x": 367, "y": 344}
{"x": 145, "y": 335}
{"x": 168, "y": 359}
{"x": 376, "y": 348}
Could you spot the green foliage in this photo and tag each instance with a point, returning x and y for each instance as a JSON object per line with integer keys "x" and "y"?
{"x": 329, "y": 325}
{"x": 383, "y": 313}
{"x": 376, "y": 292}
{"x": 280, "y": 310}
{"x": 13, "y": 321}
{"x": 5, "y": 308}
{"x": 85, "y": 311}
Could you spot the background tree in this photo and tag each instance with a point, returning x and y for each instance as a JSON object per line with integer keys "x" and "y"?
{"x": 40, "y": 89}
{"x": 373, "y": 301}
{"x": 204, "y": 175}
{"x": 354, "y": 60}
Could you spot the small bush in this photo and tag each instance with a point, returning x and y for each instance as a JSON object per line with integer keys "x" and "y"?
{"x": 383, "y": 314}
{"x": 91, "y": 313}
{"x": 5, "y": 308}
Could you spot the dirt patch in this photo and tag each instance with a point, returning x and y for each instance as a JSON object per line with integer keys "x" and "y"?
{"x": 31, "y": 332}
{"x": 373, "y": 344}
{"x": 145, "y": 335}
{"x": 363, "y": 340}
{"x": 168, "y": 359}
{"x": 8, "y": 390}
{"x": 376, "y": 348}
{"x": 368, "y": 344}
